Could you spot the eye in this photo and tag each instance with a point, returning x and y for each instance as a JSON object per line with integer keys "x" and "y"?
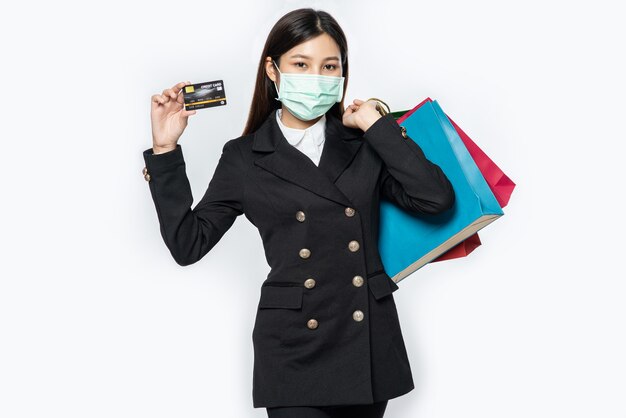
{"x": 332, "y": 65}
{"x": 297, "y": 64}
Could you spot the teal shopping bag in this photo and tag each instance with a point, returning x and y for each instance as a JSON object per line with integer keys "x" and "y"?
{"x": 408, "y": 242}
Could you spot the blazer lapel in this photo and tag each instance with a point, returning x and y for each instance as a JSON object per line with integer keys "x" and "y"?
{"x": 287, "y": 162}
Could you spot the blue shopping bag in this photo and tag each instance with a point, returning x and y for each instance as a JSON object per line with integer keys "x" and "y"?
{"x": 408, "y": 242}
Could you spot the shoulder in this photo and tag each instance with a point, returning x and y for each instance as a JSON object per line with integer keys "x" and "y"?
{"x": 240, "y": 147}
{"x": 241, "y": 142}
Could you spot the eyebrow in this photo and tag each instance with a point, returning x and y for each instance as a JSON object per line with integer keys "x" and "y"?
{"x": 307, "y": 57}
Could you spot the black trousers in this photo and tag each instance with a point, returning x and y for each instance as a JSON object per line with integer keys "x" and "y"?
{"x": 375, "y": 410}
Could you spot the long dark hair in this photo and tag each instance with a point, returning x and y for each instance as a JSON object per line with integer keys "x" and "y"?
{"x": 292, "y": 29}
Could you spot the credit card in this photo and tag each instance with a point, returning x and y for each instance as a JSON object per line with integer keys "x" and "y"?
{"x": 201, "y": 95}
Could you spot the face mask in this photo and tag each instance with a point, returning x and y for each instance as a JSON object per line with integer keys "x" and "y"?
{"x": 308, "y": 96}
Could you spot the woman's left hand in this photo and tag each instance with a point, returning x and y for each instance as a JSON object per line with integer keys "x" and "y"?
{"x": 361, "y": 114}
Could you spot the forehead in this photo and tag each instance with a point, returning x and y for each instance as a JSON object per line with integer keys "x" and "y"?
{"x": 321, "y": 47}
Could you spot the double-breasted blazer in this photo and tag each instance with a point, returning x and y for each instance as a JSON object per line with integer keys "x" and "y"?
{"x": 326, "y": 330}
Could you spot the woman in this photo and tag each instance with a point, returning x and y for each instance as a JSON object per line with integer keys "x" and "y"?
{"x": 309, "y": 175}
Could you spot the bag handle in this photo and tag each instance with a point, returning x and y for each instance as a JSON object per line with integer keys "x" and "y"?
{"x": 380, "y": 109}
{"x": 383, "y": 112}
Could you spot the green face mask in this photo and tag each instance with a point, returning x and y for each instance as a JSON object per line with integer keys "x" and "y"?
{"x": 308, "y": 96}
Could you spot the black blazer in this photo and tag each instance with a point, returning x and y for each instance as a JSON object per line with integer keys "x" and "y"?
{"x": 326, "y": 330}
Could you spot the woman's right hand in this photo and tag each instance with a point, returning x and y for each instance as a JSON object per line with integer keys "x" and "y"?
{"x": 169, "y": 118}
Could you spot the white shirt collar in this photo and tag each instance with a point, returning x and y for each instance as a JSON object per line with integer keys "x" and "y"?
{"x": 294, "y": 136}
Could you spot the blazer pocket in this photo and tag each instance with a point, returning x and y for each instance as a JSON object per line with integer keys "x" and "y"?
{"x": 286, "y": 297}
{"x": 381, "y": 285}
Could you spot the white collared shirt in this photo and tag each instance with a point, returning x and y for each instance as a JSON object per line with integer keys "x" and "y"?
{"x": 309, "y": 141}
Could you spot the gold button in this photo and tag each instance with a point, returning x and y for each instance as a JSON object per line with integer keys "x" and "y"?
{"x": 147, "y": 177}
{"x": 144, "y": 171}
{"x": 300, "y": 216}
{"x": 353, "y": 246}
{"x": 305, "y": 253}
{"x": 403, "y": 129}
{"x": 349, "y": 211}
{"x": 312, "y": 323}
{"x": 309, "y": 283}
{"x": 357, "y": 315}
{"x": 357, "y": 281}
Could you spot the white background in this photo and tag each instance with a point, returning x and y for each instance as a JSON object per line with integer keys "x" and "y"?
{"x": 96, "y": 318}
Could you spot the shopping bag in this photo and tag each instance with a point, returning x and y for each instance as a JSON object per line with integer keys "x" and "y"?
{"x": 499, "y": 183}
{"x": 408, "y": 242}
{"x": 462, "y": 249}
